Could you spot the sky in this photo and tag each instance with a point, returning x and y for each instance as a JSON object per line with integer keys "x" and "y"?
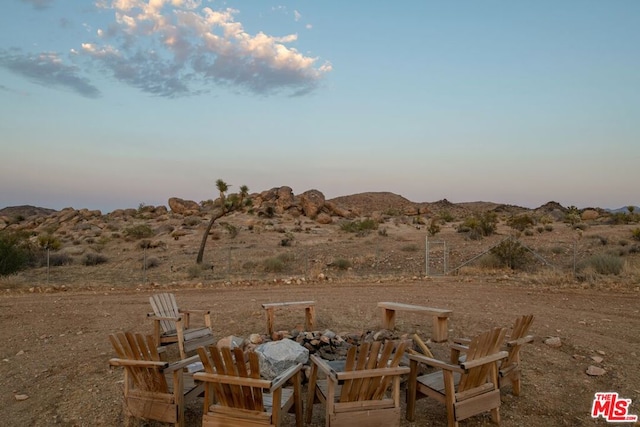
{"x": 110, "y": 104}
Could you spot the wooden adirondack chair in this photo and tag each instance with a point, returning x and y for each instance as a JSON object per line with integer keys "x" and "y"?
{"x": 172, "y": 325}
{"x": 468, "y": 388}
{"x": 358, "y": 396}
{"x": 237, "y": 396}
{"x": 509, "y": 369}
{"x": 153, "y": 389}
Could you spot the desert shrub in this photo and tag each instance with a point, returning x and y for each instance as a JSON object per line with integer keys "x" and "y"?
{"x": 540, "y": 229}
{"x": 273, "y": 265}
{"x": 58, "y": 260}
{"x": 392, "y": 212}
{"x": 572, "y": 216}
{"x": 139, "y": 231}
{"x": 618, "y": 218}
{"x": 287, "y": 257}
{"x": 112, "y": 226}
{"x": 605, "y": 264}
{"x": 580, "y": 226}
{"x": 434, "y": 227}
{"x": 288, "y": 240}
{"x": 528, "y": 232}
{"x": 144, "y": 244}
{"x": 601, "y": 239}
{"x": 410, "y": 248}
{"x": 635, "y": 234}
{"x": 623, "y": 242}
{"x": 151, "y": 262}
{"x": 249, "y": 265}
{"x": 192, "y": 221}
{"x": 557, "y": 250}
{"x": 545, "y": 219}
{"x": 548, "y": 227}
{"x": 446, "y": 216}
{"x": 511, "y": 254}
{"x": 341, "y": 264}
{"x": 521, "y": 222}
{"x": 490, "y": 261}
{"x": 15, "y": 252}
{"x": 478, "y": 226}
{"x": 358, "y": 226}
{"x": 382, "y": 232}
{"x": 194, "y": 271}
{"x": 92, "y": 259}
{"x": 230, "y": 228}
{"x": 47, "y": 241}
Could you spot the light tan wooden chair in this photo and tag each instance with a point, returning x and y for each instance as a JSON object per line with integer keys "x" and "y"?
{"x": 172, "y": 325}
{"x": 467, "y": 388}
{"x": 153, "y": 389}
{"x": 235, "y": 395}
{"x": 509, "y": 369}
{"x": 358, "y": 396}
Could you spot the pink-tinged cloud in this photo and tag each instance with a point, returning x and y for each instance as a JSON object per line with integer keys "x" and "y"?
{"x": 176, "y": 48}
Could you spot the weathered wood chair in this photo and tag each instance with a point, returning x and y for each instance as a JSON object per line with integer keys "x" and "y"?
{"x": 509, "y": 369}
{"x": 172, "y": 325}
{"x": 237, "y": 396}
{"x": 153, "y": 389}
{"x": 358, "y": 395}
{"x": 467, "y": 388}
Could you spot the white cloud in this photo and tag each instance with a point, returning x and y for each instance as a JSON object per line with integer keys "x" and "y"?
{"x": 296, "y": 15}
{"x": 175, "y": 47}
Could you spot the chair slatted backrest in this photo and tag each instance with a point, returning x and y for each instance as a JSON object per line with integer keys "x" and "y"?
{"x": 165, "y": 305}
{"x": 483, "y": 345}
{"x": 231, "y": 362}
{"x": 138, "y": 347}
{"x": 370, "y": 356}
{"x": 520, "y": 330}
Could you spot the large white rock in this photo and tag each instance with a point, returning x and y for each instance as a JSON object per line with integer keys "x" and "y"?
{"x": 278, "y": 356}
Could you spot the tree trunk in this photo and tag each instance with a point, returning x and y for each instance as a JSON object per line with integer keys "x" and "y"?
{"x": 216, "y": 215}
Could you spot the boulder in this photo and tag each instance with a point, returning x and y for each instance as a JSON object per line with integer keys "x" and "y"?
{"x": 278, "y": 356}
{"x": 311, "y": 202}
{"x": 324, "y": 218}
{"x": 231, "y": 341}
{"x": 338, "y": 211}
{"x": 284, "y": 199}
{"x": 180, "y": 206}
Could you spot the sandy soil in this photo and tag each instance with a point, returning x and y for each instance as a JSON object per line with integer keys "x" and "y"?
{"x": 55, "y": 348}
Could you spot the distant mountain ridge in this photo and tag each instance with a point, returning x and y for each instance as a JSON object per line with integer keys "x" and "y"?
{"x": 367, "y": 203}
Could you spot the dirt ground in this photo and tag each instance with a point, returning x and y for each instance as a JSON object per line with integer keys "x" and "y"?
{"x": 55, "y": 349}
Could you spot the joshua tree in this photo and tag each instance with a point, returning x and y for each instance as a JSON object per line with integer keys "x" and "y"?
{"x": 224, "y": 205}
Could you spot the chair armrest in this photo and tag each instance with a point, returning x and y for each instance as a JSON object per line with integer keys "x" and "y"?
{"x": 139, "y": 363}
{"x": 521, "y": 341}
{"x": 459, "y": 348}
{"x": 281, "y": 379}
{"x": 484, "y": 360}
{"x": 180, "y": 310}
{"x": 324, "y": 367}
{"x": 182, "y": 363}
{"x": 436, "y": 363}
{"x": 462, "y": 341}
{"x": 370, "y": 373}
{"x": 152, "y": 316}
{"x": 231, "y": 380}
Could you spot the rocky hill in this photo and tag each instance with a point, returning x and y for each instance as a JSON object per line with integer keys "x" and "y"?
{"x": 311, "y": 203}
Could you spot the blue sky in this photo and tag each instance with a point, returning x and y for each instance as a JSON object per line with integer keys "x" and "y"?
{"x": 109, "y": 104}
